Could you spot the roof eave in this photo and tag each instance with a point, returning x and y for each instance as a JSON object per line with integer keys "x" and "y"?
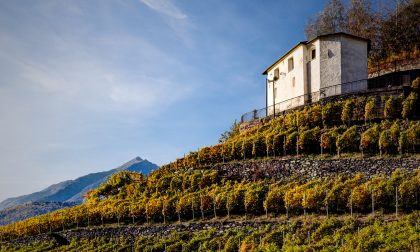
{"x": 284, "y": 56}
{"x": 312, "y": 40}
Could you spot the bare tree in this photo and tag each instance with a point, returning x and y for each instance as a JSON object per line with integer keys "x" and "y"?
{"x": 331, "y": 19}
{"x": 401, "y": 30}
{"x": 392, "y": 26}
{"x": 360, "y": 19}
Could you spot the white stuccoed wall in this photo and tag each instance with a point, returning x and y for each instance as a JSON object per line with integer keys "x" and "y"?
{"x": 330, "y": 61}
{"x": 353, "y": 64}
{"x": 339, "y": 59}
{"x": 285, "y": 88}
{"x": 313, "y": 67}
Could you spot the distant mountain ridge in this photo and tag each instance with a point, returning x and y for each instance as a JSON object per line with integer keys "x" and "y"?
{"x": 24, "y": 211}
{"x": 73, "y": 190}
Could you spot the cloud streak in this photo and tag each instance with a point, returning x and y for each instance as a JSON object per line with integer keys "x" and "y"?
{"x": 165, "y": 7}
{"x": 66, "y": 96}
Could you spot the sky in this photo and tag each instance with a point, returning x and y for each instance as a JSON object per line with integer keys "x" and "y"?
{"x": 88, "y": 85}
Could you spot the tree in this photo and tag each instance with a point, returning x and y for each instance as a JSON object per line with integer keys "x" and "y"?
{"x": 400, "y": 31}
{"x": 331, "y": 19}
{"x": 233, "y": 131}
{"x": 360, "y": 19}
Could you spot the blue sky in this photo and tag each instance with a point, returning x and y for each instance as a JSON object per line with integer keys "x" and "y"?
{"x": 88, "y": 85}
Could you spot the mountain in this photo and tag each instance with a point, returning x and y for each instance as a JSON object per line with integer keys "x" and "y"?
{"x": 24, "y": 211}
{"x": 73, "y": 190}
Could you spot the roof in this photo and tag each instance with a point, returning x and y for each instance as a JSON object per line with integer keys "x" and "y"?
{"x": 312, "y": 40}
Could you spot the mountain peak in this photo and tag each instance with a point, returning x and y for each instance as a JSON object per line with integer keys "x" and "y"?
{"x": 73, "y": 190}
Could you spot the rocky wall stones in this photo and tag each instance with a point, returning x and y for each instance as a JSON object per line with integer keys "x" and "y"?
{"x": 310, "y": 168}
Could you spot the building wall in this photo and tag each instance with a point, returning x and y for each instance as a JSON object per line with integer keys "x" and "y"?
{"x": 330, "y": 63}
{"x": 339, "y": 59}
{"x": 313, "y": 70}
{"x": 284, "y": 85}
{"x": 353, "y": 64}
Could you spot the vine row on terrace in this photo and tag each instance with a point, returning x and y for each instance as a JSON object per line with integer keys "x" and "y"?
{"x": 337, "y": 127}
{"x": 129, "y": 197}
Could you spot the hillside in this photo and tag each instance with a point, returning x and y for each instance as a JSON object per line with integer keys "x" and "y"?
{"x": 331, "y": 174}
{"x": 64, "y": 194}
{"x": 73, "y": 190}
{"x": 312, "y": 233}
{"x": 24, "y": 211}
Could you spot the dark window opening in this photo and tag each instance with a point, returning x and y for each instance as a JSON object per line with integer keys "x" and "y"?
{"x": 276, "y": 74}
{"x": 290, "y": 64}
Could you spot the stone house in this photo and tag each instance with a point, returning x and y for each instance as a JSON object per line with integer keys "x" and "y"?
{"x": 327, "y": 65}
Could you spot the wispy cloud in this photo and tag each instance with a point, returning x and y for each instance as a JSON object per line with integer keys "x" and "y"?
{"x": 158, "y": 93}
{"x": 165, "y": 7}
{"x": 64, "y": 93}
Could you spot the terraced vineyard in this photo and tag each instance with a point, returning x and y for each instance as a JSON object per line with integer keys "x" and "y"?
{"x": 327, "y": 211}
{"x": 311, "y": 233}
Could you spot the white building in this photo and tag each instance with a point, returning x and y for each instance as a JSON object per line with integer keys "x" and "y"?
{"x": 328, "y": 65}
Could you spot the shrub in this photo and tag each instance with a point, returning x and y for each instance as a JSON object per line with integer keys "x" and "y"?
{"x": 302, "y": 118}
{"x": 258, "y": 146}
{"x": 410, "y": 104}
{"x": 315, "y": 116}
{"x": 361, "y": 197}
{"x": 309, "y": 140}
{"x": 407, "y": 191}
{"x": 348, "y": 141}
{"x": 290, "y": 120}
{"x": 388, "y": 139}
{"x": 209, "y": 178}
{"x": 369, "y": 139}
{"x": 237, "y": 149}
{"x": 329, "y": 139}
{"x": 359, "y": 108}
{"x": 269, "y": 143}
{"x": 293, "y": 198}
{"x": 274, "y": 201}
{"x": 236, "y": 198}
{"x": 274, "y": 143}
{"x": 254, "y": 197}
{"x": 416, "y": 84}
{"x": 409, "y": 139}
{"x": 347, "y": 113}
{"x": 246, "y": 148}
{"x": 392, "y": 107}
{"x": 331, "y": 113}
{"x": 313, "y": 198}
{"x": 369, "y": 109}
{"x": 231, "y": 150}
{"x": 403, "y": 142}
{"x": 220, "y": 198}
{"x": 154, "y": 208}
{"x": 290, "y": 144}
{"x": 385, "y": 142}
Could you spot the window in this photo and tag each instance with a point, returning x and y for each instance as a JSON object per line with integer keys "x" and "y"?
{"x": 313, "y": 54}
{"x": 276, "y": 74}
{"x": 275, "y": 93}
{"x": 290, "y": 64}
{"x": 293, "y": 81}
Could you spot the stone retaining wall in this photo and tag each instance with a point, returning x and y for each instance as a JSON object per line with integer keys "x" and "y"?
{"x": 131, "y": 232}
{"x": 309, "y": 168}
